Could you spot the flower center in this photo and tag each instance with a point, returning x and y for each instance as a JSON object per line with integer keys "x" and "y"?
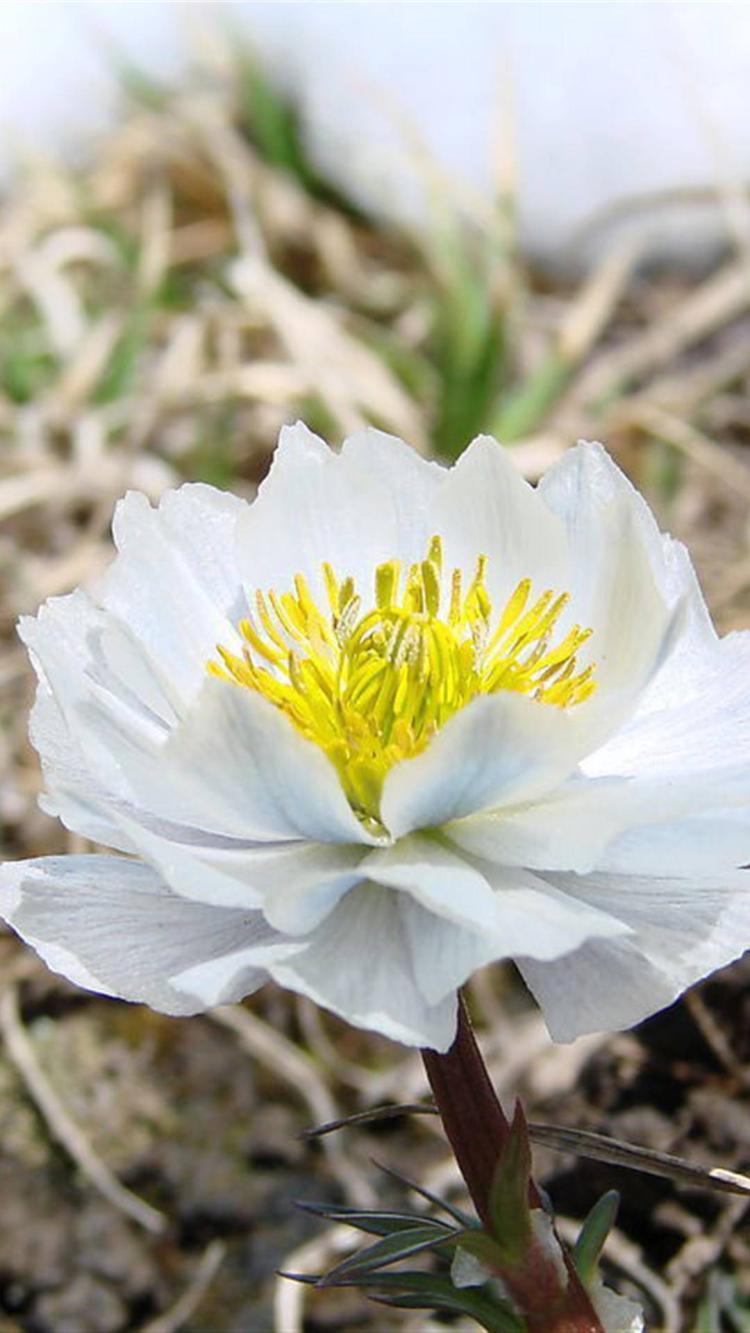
{"x": 372, "y": 687}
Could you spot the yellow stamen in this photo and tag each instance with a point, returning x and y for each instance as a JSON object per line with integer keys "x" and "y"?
{"x": 372, "y": 688}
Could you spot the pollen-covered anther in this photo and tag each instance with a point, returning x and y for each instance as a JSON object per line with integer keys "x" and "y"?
{"x": 372, "y": 686}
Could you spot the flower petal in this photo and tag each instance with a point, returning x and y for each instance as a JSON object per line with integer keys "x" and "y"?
{"x": 435, "y": 877}
{"x": 79, "y": 653}
{"x": 235, "y": 766}
{"x": 618, "y": 579}
{"x": 699, "y": 844}
{"x": 509, "y": 910}
{"x": 112, "y": 925}
{"x": 358, "y": 964}
{"x": 487, "y": 508}
{"x": 355, "y": 509}
{"x": 295, "y": 884}
{"x": 228, "y": 977}
{"x": 683, "y": 929}
{"x": 72, "y": 793}
{"x": 443, "y": 954}
{"x": 197, "y": 597}
{"x": 537, "y": 918}
{"x": 500, "y": 750}
{"x": 701, "y": 728}
{"x": 587, "y": 821}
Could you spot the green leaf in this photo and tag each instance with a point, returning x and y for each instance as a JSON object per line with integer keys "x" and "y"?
{"x": 271, "y": 120}
{"x": 593, "y": 1235}
{"x": 464, "y": 1219}
{"x": 119, "y": 376}
{"x": 378, "y": 1222}
{"x": 435, "y": 1291}
{"x": 468, "y": 271}
{"x": 527, "y": 405}
{"x": 509, "y": 1192}
{"x": 388, "y": 1250}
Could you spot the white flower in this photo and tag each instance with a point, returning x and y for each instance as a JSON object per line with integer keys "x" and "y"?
{"x": 382, "y": 726}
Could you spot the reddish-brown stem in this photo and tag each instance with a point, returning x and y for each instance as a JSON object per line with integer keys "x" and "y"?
{"x": 477, "y": 1129}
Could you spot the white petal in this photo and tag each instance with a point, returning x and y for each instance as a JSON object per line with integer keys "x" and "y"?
{"x": 68, "y": 643}
{"x": 508, "y": 910}
{"x": 407, "y": 484}
{"x": 500, "y": 750}
{"x": 443, "y": 955}
{"x": 229, "y": 977}
{"x": 487, "y": 508}
{"x": 683, "y": 930}
{"x": 700, "y": 844}
{"x": 435, "y": 877}
{"x": 703, "y": 728}
{"x": 186, "y": 859}
{"x": 296, "y": 884}
{"x": 236, "y": 766}
{"x": 302, "y": 883}
{"x": 358, "y": 964}
{"x": 535, "y": 917}
{"x": 175, "y": 582}
{"x": 586, "y": 480}
{"x": 567, "y": 830}
{"x": 72, "y": 793}
{"x": 112, "y": 925}
{"x": 617, "y": 578}
{"x": 587, "y": 821}
{"x": 355, "y": 510}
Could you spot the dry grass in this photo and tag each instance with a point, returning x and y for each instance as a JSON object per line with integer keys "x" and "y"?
{"x": 163, "y": 310}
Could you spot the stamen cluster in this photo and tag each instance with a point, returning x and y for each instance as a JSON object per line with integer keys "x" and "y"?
{"x": 372, "y": 687}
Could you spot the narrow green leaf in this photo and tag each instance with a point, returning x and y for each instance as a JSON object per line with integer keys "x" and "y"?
{"x": 593, "y": 1235}
{"x": 527, "y": 405}
{"x": 435, "y": 1291}
{"x": 464, "y": 1219}
{"x": 509, "y": 1192}
{"x": 378, "y": 1222}
{"x": 119, "y": 376}
{"x": 388, "y": 1250}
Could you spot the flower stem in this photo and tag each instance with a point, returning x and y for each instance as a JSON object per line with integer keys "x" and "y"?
{"x": 550, "y": 1300}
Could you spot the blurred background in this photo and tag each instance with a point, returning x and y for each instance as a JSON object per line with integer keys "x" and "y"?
{"x": 441, "y": 219}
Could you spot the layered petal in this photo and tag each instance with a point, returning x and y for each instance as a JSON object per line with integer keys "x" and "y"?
{"x": 508, "y": 908}
{"x": 443, "y": 954}
{"x": 500, "y": 750}
{"x": 618, "y": 580}
{"x": 682, "y": 930}
{"x": 355, "y": 510}
{"x": 359, "y": 965}
{"x": 80, "y": 654}
{"x": 702, "y": 843}
{"x": 176, "y": 583}
{"x": 112, "y": 925}
{"x": 587, "y": 822}
{"x": 701, "y": 729}
{"x": 295, "y": 884}
{"x": 235, "y": 766}
{"x": 485, "y": 507}
{"x": 72, "y": 792}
